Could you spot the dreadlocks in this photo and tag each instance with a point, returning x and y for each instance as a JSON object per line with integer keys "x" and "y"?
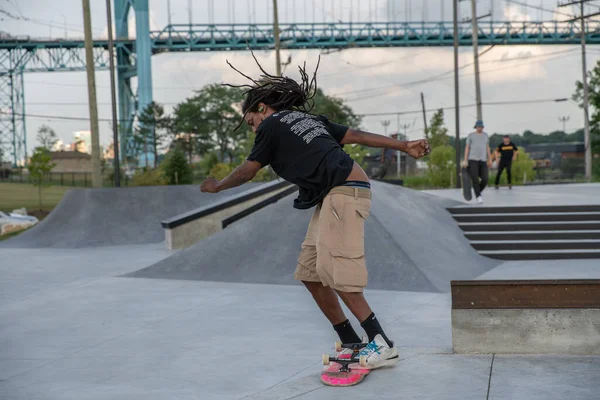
{"x": 278, "y": 92}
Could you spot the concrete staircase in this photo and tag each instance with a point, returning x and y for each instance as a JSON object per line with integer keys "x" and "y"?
{"x": 532, "y": 233}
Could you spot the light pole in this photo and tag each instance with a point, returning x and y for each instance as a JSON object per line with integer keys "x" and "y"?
{"x": 564, "y": 122}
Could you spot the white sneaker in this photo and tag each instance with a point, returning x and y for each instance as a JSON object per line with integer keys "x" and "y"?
{"x": 347, "y": 353}
{"x": 379, "y": 354}
{"x": 480, "y": 200}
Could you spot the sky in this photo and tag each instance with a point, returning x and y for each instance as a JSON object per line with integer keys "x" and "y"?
{"x": 371, "y": 80}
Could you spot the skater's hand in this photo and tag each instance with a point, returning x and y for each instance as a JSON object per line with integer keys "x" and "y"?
{"x": 418, "y": 148}
{"x": 489, "y": 163}
{"x": 210, "y": 185}
{"x": 464, "y": 164}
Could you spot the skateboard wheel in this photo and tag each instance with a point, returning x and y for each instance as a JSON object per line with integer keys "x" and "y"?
{"x": 362, "y": 360}
{"x": 325, "y": 359}
{"x": 338, "y": 346}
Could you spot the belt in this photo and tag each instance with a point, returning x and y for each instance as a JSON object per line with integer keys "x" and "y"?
{"x": 351, "y": 191}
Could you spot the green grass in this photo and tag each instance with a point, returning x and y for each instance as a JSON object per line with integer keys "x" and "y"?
{"x": 17, "y": 195}
{"x": 10, "y": 235}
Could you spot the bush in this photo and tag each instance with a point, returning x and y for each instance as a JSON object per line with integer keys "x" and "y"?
{"x": 442, "y": 166}
{"x": 572, "y": 166}
{"x": 154, "y": 177}
{"x": 264, "y": 175}
{"x": 220, "y": 171}
{"x": 416, "y": 182}
{"x": 596, "y": 170}
{"x": 358, "y": 154}
{"x": 208, "y": 162}
{"x": 521, "y": 168}
{"x": 176, "y": 168}
{"x": 109, "y": 176}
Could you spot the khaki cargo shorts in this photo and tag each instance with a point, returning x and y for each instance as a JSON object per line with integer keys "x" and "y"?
{"x": 333, "y": 251}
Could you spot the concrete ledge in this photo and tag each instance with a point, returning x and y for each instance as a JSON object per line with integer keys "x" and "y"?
{"x": 526, "y": 317}
{"x": 522, "y": 331}
{"x": 186, "y": 229}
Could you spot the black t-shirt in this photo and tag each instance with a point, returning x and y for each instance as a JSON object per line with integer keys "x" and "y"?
{"x": 506, "y": 151}
{"x": 303, "y": 149}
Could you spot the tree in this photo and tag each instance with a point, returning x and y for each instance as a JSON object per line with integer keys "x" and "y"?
{"x": 151, "y": 132}
{"x": 441, "y": 166}
{"x": 209, "y": 119}
{"x": 176, "y": 168}
{"x": 39, "y": 167}
{"x": 441, "y": 162}
{"x": 47, "y": 137}
{"x": 437, "y": 133}
{"x": 594, "y": 101}
{"x": 337, "y": 111}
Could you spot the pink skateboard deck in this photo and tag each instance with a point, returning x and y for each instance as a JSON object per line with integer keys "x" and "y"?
{"x": 332, "y": 376}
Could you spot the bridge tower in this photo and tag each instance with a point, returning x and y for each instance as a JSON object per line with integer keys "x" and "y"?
{"x": 13, "y": 138}
{"x": 130, "y": 65}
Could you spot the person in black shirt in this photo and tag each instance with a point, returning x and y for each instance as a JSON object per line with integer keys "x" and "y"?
{"x": 507, "y": 152}
{"x": 306, "y": 150}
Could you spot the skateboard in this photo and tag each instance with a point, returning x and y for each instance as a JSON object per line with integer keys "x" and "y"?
{"x": 466, "y": 183}
{"x": 348, "y": 370}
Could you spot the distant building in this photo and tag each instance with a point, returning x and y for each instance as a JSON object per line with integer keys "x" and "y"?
{"x": 71, "y": 161}
{"x": 550, "y": 155}
{"x": 61, "y": 146}
{"x": 83, "y": 142}
{"x": 408, "y": 165}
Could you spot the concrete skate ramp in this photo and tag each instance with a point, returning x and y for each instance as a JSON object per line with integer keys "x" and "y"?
{"x": 427, "y": 232}
{"x": 112, "y": 217}
{"x": 412, "y": 244}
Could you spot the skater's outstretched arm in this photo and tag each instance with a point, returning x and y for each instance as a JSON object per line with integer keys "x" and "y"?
{"x": 242, "y": 174}
{"x": 414, "y": 148}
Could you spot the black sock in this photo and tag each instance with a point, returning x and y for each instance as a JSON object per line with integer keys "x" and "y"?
{"x": 346, "y": 332}
{"x": 372, "y": 328}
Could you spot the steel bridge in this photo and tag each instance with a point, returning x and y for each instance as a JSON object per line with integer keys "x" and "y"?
{"x": 21, "y": 55}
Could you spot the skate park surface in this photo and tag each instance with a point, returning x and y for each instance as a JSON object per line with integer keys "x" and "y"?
{"x": 137, "y": 321}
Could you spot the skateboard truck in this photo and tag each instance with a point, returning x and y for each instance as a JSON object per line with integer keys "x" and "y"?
{"x": 345, "y": 362}
{"x": 356, "y": 347}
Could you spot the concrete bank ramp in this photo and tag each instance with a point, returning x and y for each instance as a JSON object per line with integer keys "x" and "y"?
{"x": 412, "y": 244}
{"x": 112, "y": 217}
{"x": 426, "y": 231}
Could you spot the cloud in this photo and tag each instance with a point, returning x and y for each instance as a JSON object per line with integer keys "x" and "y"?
{"x": 514, "y": 12}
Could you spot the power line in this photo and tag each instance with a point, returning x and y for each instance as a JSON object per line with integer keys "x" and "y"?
{"x": 520, "y": 3}
{"x": 445, "y": 75}
{"x": 363, "y": 67}
{"x": 488, "y": 103}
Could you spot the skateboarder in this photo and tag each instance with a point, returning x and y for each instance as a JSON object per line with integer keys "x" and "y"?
{"x": 507, "y": 152}
{"x": 306, "y": 150}
{"x": 478, "y": 158}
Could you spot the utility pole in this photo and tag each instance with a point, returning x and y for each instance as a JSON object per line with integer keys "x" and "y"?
{"x": 169, "y": 12}
{"x": 277, "y": 43}
{"x": 564, "y": 122}
{"x": 456, "y": 94}
{"x": 424, "y": 114}
{"x": 385, "y": 124}
{"x": 586, "y": 118}
{"x": 399, "y": 155}
{"x": 91, "y": 81}
{"x": 476, "y": 57}
{"x": 113, "y": 95}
